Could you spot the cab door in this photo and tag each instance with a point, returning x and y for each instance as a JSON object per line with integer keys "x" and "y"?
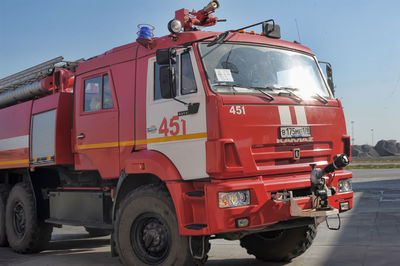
{"x": 171, "y": 129}
{"x": 95, "y": 132}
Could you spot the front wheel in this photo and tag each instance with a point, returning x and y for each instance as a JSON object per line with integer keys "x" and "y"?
{"x": 26, "y": 233}
{"x": 146, "y": 230}
{"x": 281, "y": 245}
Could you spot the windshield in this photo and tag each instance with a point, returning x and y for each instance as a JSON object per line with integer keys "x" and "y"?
{"x": 248, "y": 69}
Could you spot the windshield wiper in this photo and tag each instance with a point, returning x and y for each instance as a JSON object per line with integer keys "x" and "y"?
{"x": 291, "y": 93}
{"x": 260, "y": 89}
{"x": 219, "y": 39}
{"x": 232, "y": 86}
{"x": 321, "y": 98}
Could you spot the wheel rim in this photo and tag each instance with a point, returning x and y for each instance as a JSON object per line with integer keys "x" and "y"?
{"x": 19, "y": 219}
{"x": 150, "y": 238}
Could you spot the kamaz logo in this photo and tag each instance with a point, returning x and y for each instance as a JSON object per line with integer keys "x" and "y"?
{"x": 295, "y": 140}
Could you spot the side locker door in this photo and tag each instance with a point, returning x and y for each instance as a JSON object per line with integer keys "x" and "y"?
{"x": 171, "y": 130}
{"x": 95, "y": 133}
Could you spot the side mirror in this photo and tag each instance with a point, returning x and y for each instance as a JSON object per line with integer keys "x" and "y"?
{"x": 271, "y": 30}
{"x": 166, "y": 56}
{"x": 167, "y": 82}
{"x": 329, "y": 76}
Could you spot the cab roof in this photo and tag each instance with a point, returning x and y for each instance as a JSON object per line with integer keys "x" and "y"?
{"x": 129, "y": 52}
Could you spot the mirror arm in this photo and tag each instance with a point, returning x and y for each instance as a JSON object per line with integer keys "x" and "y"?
{"x": 170, "y": 65}
{"x": 179, "y": 101}
{"x": 329, "y": 76}
{"x": 325, "y": 62}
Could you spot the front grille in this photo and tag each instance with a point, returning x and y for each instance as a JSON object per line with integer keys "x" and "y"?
{"x": 272, "y": 156}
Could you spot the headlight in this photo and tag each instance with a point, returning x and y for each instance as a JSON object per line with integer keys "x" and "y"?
{"x": 344, "y": 185}
{"x": 234, "y": 199}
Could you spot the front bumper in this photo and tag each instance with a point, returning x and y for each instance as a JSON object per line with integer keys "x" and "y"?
{"x": 263, "y": 211}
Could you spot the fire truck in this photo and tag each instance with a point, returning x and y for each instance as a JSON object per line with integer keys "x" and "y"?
{"x": 169, "y": 142}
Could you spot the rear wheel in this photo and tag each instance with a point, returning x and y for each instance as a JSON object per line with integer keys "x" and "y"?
{"x": 26, "y": 233}
{"x": 96, "y": 232}
{"x": 146, "y": 230}
{"x": 4, "y": 190}
{"x": 281, "y": 245}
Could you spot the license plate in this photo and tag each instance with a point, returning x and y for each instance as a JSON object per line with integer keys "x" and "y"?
{"x": 295, "y": 132}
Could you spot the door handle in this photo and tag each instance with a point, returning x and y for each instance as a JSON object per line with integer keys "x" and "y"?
{"x": 81, "y": 136}
{"x": 151, "y": 129}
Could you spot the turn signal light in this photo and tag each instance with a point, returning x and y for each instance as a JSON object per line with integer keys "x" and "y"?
{"x": 242, "y": 222}
{"x": 344, "y": 206}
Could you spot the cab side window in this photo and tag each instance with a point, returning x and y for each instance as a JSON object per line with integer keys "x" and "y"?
{"x": 92, "y": 94}
{"x": 157, "y": 89}
{"x": 97, "y": 94}
{"x": 107, "y": 95}
{"x": 185, "y": 76}
{"x": 188, "y": 82}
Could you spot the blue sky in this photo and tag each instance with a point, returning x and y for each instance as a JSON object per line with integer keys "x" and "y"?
{"x": 360, "y": 38}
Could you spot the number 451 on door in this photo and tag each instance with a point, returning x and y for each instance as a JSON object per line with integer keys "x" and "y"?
{"x": 237, "y": 110}
{"x": 174, "y": 128}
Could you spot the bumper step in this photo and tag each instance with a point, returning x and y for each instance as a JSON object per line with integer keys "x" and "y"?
{"x": 296, "y": 211}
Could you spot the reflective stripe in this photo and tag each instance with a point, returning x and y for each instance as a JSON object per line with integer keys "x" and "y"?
{"x": 284, "y": 115}
{"x": 142, "y": 141}
{"x": 15, "y": 162}
{"x": 98, "y": 145}
{"x": 300, "y": 115}
{"x": 172, "y": 138}
{"x": 14, "y": 143}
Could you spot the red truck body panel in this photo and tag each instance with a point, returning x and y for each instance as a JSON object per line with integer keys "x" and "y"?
{"x": 14, "y": 133}
{"x": 262, "y": 151}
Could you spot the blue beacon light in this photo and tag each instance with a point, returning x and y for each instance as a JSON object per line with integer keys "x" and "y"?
{"x": 145, "y": 35}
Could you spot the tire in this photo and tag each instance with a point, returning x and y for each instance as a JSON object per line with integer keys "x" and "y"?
{"x": 282, "y": 245}
{"x": 96, "y": 232}
{"x": 4, "y": 190}
{"x": 146, "y": 230}
{"x": 25, "y": 232}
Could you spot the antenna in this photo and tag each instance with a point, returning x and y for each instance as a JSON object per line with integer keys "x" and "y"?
{"x": 298, "y": 31}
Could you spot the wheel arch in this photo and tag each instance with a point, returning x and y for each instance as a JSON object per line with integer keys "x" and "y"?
{"x": 128, "y": 183}
{"x": 37, "y": 179}
{"x": 142, "y": 168}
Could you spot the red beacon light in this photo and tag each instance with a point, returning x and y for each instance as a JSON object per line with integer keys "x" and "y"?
{"x": 145, "y": 35}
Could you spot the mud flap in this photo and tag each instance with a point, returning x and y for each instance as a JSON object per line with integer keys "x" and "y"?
{"x": 296, "y": 211}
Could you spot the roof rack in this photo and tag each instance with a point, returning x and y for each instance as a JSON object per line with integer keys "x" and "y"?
{"x": 29, "y": 75}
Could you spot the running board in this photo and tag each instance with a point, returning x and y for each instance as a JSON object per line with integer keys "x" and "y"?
{"x": 79, "y": 223}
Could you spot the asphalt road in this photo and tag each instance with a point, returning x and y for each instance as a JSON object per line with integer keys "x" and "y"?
{"x": 370, "y": 235}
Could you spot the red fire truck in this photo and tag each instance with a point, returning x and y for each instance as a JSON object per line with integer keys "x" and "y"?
{"x": 169, "y": 142}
